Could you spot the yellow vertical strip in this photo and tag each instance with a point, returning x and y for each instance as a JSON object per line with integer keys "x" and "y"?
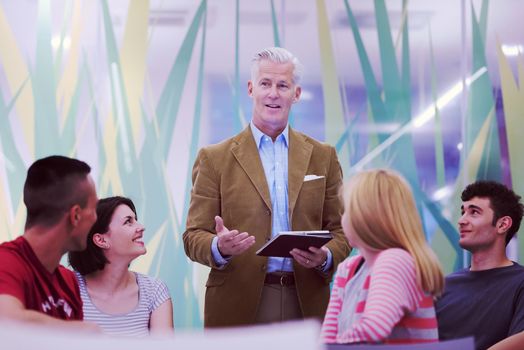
{"x": 143, "y": 263}
{"x": 334, "y": 116}
{"x": 16, "y": 72}
{"x": 471, "y": 166}
{"x": 5, "y": 229}
{"x": 513, "y": 102}
{"x": 111, "y": 176}
{"x": 133, "y": 61}
{"x": 520, "y": 68}
{"x": 67, "y": 84}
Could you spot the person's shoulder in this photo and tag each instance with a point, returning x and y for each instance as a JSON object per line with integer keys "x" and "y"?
{"x": 350, "y": 262}
{"x": 458, "y": 274}
{"x": 396, "y": 255}
{"x": 64, "y": 271}
{"x": 316, "y": 143}
{"x": 13, "y": 246}
{"x": 149, "y": 281}
{"x": 517, "y": 267}
{"x": 13, "y": 251}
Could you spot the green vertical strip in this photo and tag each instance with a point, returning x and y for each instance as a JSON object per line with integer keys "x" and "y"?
{"x": 68, "y": 134}
{"x": 93, "y": 112}
{"x": 68, "y": 9}
{"x": 372, "y": 89}
{"x": 406, "y": 64}
{"x": 171, "y": 262}
{"x": 169, "y": 102}
{"x": 439, "y": 148}
{"x": 47, "y": 140}
{"x": 481, "y": 104}
{"x": 12, "y": 158}
{"x": 483, "y": 22}
{"x": 396, "y": 100}
{"x": 276, "y": 37}
{"x": 195, "y": 137}
{"x": 390, "y": 74}
{"x": 447, "y": 228}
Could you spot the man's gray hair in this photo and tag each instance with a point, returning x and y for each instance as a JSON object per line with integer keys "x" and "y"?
{"x": 277, "y": 55}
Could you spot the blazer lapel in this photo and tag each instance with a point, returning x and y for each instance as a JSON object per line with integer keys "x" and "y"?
{"x": 299, "y": 155}
{"x": 246, "y": 153}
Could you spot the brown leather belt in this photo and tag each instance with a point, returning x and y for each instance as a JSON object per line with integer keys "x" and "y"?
{"x": 279, "y": 278}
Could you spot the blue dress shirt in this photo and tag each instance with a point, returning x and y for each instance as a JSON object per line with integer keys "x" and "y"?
{"x": 274, "y": 158}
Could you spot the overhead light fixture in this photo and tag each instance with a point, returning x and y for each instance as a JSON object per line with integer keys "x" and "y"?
{"x": 512, "y": 50}
{"x": 55, "y": 42}
{"x": 442, "y": 193}
{"x": 421, "y": 119}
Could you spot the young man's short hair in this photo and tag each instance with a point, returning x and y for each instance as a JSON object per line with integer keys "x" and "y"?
{"x": 53, "y": 185}
{"x": 503, "y": 201}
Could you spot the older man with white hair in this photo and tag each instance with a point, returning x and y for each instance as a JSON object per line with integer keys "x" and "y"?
{"x": 246, "y": 189}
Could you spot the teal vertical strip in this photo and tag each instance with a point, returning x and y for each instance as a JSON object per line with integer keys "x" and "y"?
{"x": 439, "y": 147}
{"x": 68, "y": 135}
{"x": 47, "y": 139}
{"x": 406, "y": 64}
{"x": 449, "y": 230}
{"x": 276, "y": 37}
{"x": 12, "y": 158}
{"x": 481, "y": 104}
{"x": 388, "y": 62}
{"x": 195, "y": 137}
{"x": 174, "y": 271}
{"x": 171, "y": 262}
{"x": 483, "y": 22}
{"x": 169, "y": 102}
{"x": 68, "y": 8}
{"x": 93, "y": 112}
{"x": 372, "y": 89}
{"x": 396, "y": 99}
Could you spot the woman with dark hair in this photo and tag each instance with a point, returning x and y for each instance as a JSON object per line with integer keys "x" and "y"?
{"x": 120, "y": 301}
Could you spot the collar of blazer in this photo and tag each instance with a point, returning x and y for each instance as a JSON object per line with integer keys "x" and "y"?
{"x": 245, "y": 151}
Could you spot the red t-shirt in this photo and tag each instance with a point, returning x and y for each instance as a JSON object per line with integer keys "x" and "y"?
{"x": 23, "y": 276}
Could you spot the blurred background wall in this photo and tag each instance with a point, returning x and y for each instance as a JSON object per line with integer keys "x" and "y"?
{"x": 136, "y": 87}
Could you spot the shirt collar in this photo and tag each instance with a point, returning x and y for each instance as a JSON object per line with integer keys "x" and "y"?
{"x": 257, "y": 134}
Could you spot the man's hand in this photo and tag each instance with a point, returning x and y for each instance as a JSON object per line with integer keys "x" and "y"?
{"x": 309, "y": 259}
{"x": 231, "y": 242}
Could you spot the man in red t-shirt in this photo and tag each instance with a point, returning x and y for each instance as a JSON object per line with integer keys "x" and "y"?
{"x": 61, "y": 199}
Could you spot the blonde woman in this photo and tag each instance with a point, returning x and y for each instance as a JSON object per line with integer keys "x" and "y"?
{"x": 384, "y": 294}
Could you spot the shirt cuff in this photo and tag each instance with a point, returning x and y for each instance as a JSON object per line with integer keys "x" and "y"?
{"x": 329, "y": 261}
{"x": 219, "y": 259}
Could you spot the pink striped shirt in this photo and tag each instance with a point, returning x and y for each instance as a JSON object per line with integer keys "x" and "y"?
{"x": 391, "y": 307}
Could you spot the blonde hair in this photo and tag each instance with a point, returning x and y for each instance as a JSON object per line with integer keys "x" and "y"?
{"x": 381, "y": 211}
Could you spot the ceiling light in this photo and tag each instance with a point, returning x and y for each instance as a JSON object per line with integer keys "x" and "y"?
{"x": 512, "y": 50}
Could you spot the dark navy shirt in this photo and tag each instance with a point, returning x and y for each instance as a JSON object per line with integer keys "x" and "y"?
{"x": 488, "y": 305}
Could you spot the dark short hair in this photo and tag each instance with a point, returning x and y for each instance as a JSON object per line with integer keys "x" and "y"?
{"x": 503, "y": 201}
{"x": 52, "y": 186}
{"x": 92, "y": 258}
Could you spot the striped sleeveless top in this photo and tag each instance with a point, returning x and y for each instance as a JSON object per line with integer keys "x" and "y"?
{"x": 152, "y": 293}
{"x": 386, "y": 304}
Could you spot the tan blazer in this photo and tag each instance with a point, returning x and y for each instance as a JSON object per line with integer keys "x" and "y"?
{"x": 229, "y": 180}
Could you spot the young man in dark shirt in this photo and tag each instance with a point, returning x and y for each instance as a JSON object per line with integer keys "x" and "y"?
{"x": 485, "y": 300}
